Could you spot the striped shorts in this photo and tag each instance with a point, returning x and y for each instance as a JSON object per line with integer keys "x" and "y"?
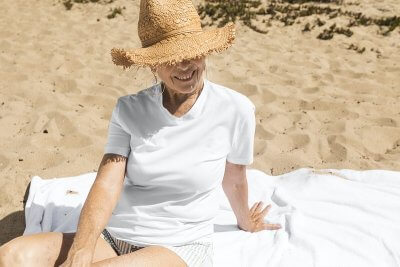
{"x": 195, "y": 254}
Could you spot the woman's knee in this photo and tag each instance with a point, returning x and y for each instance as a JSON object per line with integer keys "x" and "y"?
{"x": 11, "y": 254}
{"x": 43, "y": 249}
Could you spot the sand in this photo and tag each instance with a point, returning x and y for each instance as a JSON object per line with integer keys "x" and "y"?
{"x": 318, "y": 103}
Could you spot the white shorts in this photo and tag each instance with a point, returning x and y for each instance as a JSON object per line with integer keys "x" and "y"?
{"x": 196, "y": 254}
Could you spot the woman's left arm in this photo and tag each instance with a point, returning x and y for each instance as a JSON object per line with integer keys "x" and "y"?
{"x": 235, "y": 187}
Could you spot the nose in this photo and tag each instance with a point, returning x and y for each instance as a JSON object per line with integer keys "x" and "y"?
{"x": 184, "y": 64}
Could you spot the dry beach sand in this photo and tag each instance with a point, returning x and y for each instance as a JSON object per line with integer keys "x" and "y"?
{"x": 331, "y": 103}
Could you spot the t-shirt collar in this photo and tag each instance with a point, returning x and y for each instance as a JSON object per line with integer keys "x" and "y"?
{"x": 193, "y": 112}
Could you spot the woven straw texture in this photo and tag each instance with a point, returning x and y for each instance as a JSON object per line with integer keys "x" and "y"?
{"x": 171, "y": 31}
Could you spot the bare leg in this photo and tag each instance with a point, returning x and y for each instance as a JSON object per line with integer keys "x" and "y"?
{"x": 46, "y": 250}
{"x": 151, "y": 256}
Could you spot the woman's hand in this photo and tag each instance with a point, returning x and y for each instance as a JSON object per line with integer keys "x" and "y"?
{"x": 79, "y": 258}
{"x": 256, "y": 222}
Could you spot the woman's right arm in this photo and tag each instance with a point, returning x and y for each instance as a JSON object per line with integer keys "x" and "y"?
{"x": 96, "y": 211}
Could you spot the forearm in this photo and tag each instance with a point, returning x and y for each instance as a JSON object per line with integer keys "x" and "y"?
{"x": 94, "y": 216}
{"x": 237, "y": 195}
{"x": 101, "y": 201}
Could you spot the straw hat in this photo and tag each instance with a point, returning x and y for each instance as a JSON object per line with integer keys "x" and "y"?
{"x": 170, "y": 31}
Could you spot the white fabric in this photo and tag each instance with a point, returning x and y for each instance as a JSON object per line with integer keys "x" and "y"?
{"x": 196, "y": 254}
{"x": 54, "y": 205}
{"x": 329, "y": 218}
{"x": 175, "y": 164}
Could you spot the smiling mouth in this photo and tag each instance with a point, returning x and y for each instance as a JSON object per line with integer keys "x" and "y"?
{"x": 185, "y": 77}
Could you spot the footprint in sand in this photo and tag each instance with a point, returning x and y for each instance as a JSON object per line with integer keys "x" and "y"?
{"x": 279, "y": 123}
{"x": 249, "y": 89}
{"x": 288, "y": 143}
{"x": 58, "y": 130}
{"x": 262, "y": 133}
{"x": 311, "y": 90}
{"x": 328, "y": 77}
{"x": 337, "y": 151}
{"x": 360, "y": 86}
{"x": 343, "y": 113}
{"x": 72, "y": 138}
{"x": 355, "y": 75}
{"x": 385, "y": 122}
{"x": 378, "y": 139}
{"x": 336, "y": 127}
{"x": 64, "y": 85}
{"x": 52, "y": 160}
{"x": 47, "y": 122}
{"x": 299, "y": 140}
{"x": 73, "y": 65}
{"x": 268, "y": 96}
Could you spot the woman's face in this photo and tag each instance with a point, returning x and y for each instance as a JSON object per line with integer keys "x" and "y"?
{"x": 183, "y": 77}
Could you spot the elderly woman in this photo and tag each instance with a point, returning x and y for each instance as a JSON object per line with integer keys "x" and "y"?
{"x": 169, "y": 147}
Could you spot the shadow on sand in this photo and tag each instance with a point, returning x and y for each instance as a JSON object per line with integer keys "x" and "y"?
{"x": 13, "y": 225}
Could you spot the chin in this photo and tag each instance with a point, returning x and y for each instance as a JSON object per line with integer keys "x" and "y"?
{"x": 187, "y": 87}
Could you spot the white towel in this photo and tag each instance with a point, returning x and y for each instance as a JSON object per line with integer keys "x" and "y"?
{"x": 54, "y": 205}
{"x": 330, "y": 217}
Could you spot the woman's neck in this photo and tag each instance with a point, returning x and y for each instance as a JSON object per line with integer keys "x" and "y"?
{"x": 178, "y": 103}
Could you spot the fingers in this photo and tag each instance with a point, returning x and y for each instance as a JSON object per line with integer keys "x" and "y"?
{"x": 256, "y": 207}
{"x": 257, "y": 216}
{"x": 263, "y": 213}
{"x": 267, "y": 208}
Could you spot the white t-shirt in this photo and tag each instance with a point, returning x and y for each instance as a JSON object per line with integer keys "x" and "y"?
{"x": 176, "y": 164}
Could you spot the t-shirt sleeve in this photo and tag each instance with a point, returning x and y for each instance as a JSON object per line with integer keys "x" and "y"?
{"x": 243, "y": 139}
{"x": 118, "y": 141}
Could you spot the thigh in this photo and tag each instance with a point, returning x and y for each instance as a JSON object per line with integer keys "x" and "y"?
{"x": 48, "y": 249}
{"x": 151, "y": 256}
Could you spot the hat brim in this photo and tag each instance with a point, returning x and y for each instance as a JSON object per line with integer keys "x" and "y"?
{"x": 175, "y": 49}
